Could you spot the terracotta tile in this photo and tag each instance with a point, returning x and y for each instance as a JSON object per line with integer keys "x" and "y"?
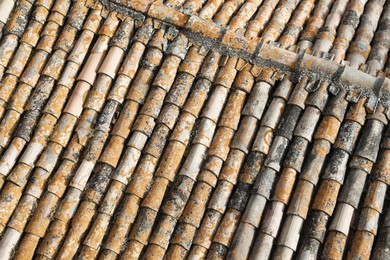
{"x": 213, "y": 166}
{"x": 161, "y": 235}
{"x": 171, "y": 159}
{"x": 326, "y": 196}
{"x": 37, "y": 183}
{"x": 133, "y": 250}
{"x": 126, "y": 118}
{"x": 301, "y": 199}
{"x": 193, "y": 162}
{"x": 176, "y": 251}
{"x": 88, "y": 253}
{"x": 207, "y": 230}
{"x": 79, "y": 226}
{"x": 375, "y": 196}
{"x": 61, "y": 178}
{"x": 95, "y": 235}
{"x": 361, "y": 246}
{"x": 8, "y": 159}
{"x": 328, "y": 129}
{"x": 196, "y": 204}
{"x": 381, "y": 245}
{"x": 226, "y": 229}
{"x": 117, "y": 237}
{"x": 168, "y": 116}
{"x": 8, "y": 84}
{"x": 27, "y": 247}
{"x": 197, "y": 252}
{"x": 42, "y": 216}
{"x": 98, "y": 133}
{"x": 98, "y": 182}
{"x": 242, "y": 141}
{"x": 80, "y": 49}
{"x": 157, "y": 190}
{"x": 232, "y": 166}
{"x": 127, "y": 165}
{"x": 231, "y": 114}
{"x": 50, "y": 244}
{"x": 108, "y": 254}
{"x": 181, "y": 238}
{"x": 11, "y": 236}
{"x": 9, "y": 198}
{"x": 215, "y": 104}
{"x": 221, "y": 142}
{"x": 141, "y": 85}
{"x": 255, "y": 206}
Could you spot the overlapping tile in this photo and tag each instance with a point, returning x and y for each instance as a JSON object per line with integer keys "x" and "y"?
{"x": 194, "y": 129}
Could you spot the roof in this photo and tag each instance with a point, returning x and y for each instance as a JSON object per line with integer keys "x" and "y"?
{"x": 191, "y": 129}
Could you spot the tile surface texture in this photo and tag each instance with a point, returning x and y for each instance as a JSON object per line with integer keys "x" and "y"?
{"x": 194, "y": 129}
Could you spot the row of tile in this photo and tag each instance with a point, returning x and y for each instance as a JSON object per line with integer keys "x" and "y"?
{"x": 257, "y": 50}
{"x": 202, "y": 130}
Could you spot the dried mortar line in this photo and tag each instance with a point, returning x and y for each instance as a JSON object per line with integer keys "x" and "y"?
{"x": 6, "y": 7}
{"x": 354, "y": 96}
{"x": 381, "y": 250}
{"x": 18, "y": 62}
{"x": 50, "y": 75}
{"x": 335, "y": 170}
{"x": 257, "y": 51}
{"x": 182, "y": 129}
{"x": 207, "y": 126}
{"x": 43, "y": 137}
{"x": 223, "y": 235}
{"x": 31, "y": 79}
{"x": 368, "y": 146}
{"x": 12, "y": 32}
{"x": 47, "y": 209}
{"x": 302, "y": 136}
{"x": 272, "y": 165}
